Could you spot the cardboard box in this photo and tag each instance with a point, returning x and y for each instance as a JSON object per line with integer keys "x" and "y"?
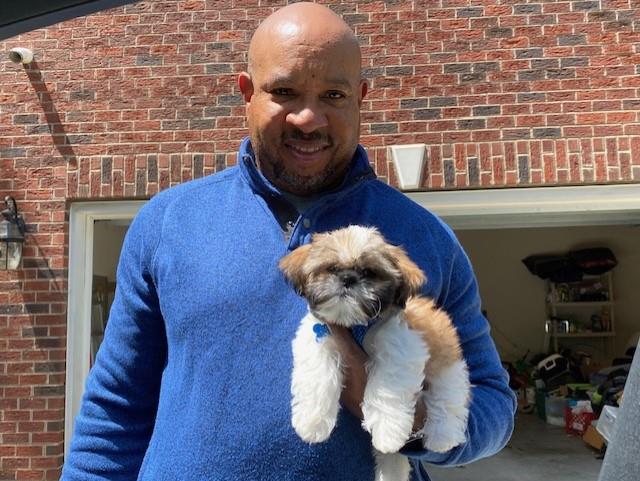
{"x": 593, "y": 438}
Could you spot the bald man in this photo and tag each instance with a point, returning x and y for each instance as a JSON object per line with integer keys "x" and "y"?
{"x": 192, "y": 381}
{"x": 303, "y": 92}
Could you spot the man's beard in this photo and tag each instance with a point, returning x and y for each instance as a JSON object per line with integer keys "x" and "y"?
{"x": 302, "y": 185}
{"x": 290, "y": 181}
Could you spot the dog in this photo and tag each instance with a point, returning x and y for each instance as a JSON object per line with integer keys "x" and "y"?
{"x": 353, "y": 277}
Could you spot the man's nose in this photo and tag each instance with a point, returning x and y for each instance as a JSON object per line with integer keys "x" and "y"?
{"x": 308, "y": 118}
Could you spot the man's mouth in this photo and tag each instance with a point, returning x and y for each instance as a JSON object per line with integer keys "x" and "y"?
{"x": 306, "y": 149}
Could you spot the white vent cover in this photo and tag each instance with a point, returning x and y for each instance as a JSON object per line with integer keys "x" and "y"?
{"x": 409, "y": 162}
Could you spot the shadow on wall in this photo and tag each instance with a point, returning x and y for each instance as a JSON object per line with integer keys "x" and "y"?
{"x": 56, "y": 128}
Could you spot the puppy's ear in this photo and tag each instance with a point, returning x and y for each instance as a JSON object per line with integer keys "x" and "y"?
{"x": 292, "y": 267}
{"x": 412, "y": 276}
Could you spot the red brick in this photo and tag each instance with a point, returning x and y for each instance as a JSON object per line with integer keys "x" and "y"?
{"x": 635, "y": 150}
{"x": 625, "y": 167}
{"x": 612, "y": 152}
{"x": 601, "y": 168}
{"x": 435, "y": 159}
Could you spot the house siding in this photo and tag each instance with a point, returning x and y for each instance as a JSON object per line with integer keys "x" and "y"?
{"x": 127, "y": 102}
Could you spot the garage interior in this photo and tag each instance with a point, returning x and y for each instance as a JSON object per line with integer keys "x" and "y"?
{"x": 514, "y": 301}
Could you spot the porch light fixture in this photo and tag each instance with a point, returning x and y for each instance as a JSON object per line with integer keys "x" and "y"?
{"x": 409, "y": 162}
{"x": 11, "y": 235}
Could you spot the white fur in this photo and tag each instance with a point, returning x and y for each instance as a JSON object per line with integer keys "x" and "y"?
{"x": 316, "y": 383}
{"x": 395, "y": 377}
{"x": 391, "y": 467}
{"x": 395, "y": 374}
{"x": 346, "y": 312}
{"x": 446, "y": 400}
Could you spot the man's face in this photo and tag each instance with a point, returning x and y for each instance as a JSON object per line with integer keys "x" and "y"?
{"x": 303, "y": 113}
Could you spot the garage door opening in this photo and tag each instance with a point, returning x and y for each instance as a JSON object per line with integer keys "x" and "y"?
{"x": 499, "y": 228}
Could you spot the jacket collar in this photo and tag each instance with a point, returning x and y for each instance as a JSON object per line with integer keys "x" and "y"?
{"x": 359, "y": 170}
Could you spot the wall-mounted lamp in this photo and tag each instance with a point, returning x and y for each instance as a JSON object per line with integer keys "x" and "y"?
{"x": 21, "y": 55}
{"x": 409, "y": 162}
{"x": 11, "y": 235}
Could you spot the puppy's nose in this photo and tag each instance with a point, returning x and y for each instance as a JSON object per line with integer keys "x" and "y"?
{"x": 349, "y": 278}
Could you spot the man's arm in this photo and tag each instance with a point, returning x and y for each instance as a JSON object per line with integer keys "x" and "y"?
{"x": 493, "y": 402}
{"x": 115, "y": 422}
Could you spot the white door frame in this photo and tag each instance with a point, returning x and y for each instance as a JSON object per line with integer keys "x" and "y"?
{"x": 534, "y": 206}
{"x": 82, "y": 216}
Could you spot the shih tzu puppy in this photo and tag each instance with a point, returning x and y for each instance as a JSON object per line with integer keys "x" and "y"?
{"x": 353, "y": 277}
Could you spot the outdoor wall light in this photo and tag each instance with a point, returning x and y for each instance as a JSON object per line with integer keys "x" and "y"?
{"x": 409, "y": 162}
{"x": 11, "y": 235}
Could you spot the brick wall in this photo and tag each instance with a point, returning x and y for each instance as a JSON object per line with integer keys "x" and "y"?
{"x": 131, "y": 101}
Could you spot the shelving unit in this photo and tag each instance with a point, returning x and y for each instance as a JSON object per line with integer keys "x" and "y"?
{"x": 581, "y": 310}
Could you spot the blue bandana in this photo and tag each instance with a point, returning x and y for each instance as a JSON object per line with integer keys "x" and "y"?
{"x": 321, "y": 330}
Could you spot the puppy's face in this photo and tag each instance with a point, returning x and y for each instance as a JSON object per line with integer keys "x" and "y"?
{"x": 351, "y": 275}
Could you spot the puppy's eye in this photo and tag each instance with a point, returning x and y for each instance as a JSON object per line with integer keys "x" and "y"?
{"x": 332, "y": 269}
{"x": 367, "y": 273}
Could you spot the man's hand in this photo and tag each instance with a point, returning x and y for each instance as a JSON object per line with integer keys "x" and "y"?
{"x": 355, "y": 376}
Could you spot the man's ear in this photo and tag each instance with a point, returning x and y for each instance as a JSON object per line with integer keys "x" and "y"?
{"x": 364, "y": 88}
{"x": 292, "y": 267}
{"x": 246, "y": 86}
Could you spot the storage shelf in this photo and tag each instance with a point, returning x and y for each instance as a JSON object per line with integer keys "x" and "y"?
{"x": 586, "y": 314}
{"x": 587, "y": 334}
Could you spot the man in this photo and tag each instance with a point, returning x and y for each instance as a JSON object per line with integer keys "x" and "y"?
{"x": 192, "y": 380}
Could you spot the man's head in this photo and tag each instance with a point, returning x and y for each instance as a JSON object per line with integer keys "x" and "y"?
{"x": 303, "y": 91}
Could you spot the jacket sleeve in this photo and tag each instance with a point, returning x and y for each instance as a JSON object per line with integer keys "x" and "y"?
{"x": 116, "y": 418}
{"x": 493, "y": 403}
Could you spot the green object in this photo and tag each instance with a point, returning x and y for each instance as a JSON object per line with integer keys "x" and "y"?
{"x": 540, "y": 400}
{"x": 522, "y": 367}
{"x": 579, "y": 386}
{"x": 596, "y": 398}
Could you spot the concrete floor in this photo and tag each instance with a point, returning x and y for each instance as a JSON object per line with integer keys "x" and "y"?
{"x": 537, "y": 452}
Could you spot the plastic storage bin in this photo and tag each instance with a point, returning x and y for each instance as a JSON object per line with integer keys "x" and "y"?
{"x": 607, "y": 421}
{"x": 554, "y": 410}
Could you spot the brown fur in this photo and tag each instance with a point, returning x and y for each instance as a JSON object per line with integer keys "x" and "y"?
{"x": 437, "y": 330}
{"x": 292, "y": 264}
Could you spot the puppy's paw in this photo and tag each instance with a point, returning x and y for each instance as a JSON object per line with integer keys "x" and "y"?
{"x": 441, "y": 436}
{"x": 388, "y": 443}
{"x": 312, "y": 428}
{"x": 389, "y": 439}
{"x": 389, "y": 432}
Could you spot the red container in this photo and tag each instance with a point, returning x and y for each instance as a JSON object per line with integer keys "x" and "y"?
{"x": 577, "y": 423}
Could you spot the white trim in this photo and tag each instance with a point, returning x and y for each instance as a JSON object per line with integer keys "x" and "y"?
{"x": 82, "y": 216}
{"x": 534, "y": 206}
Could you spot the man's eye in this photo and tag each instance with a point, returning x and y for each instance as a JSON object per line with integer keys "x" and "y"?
{"x": 335, "y": 95}
{"x": 282, "y": 91}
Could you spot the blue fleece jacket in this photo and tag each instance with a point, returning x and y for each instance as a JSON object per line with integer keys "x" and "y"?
{"x": 192, "y": 381}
